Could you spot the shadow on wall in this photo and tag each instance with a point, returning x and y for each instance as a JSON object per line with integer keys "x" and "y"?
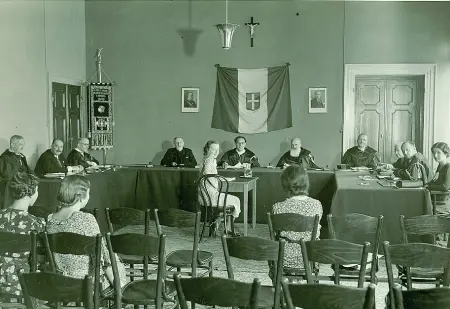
{"x": 32, "y": 160}
{"x": 158, "y": 157}
{"x": 4, "y": 144}
{"x": 284, "y": 146}
{"x": 190, "y": 38}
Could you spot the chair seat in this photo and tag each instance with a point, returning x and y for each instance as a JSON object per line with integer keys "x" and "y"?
{"x": 422, "y": 272}
{"x": 183, "y": 258}
{"x": 266, "y": 296}
{"x": 143, "y": 292}
{"x": 135, "y": 259}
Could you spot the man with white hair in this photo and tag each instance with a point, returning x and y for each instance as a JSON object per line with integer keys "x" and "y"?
{"x": 297, "y": 155}
{"x": 179, "y": 155}
{"x": 53, "y": 161}
{"x": 414, "y": 166}
{"x": 361, "y": 155}
{"x": 80, "y": 155}
{"x": 12, "y": 161}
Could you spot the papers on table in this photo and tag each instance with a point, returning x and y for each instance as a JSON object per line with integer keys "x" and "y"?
{"x": 54, "y": 175}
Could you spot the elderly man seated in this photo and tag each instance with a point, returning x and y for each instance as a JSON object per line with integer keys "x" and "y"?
{"x": 80, "y": 155}
{"x": 179, "y": 156}
{"x": 414, "y": 166}
{"x": 297, "y": 155}
{"x": 53, "y": 161}
{"x": 238, "y": 156}
{"x": 361, "y": 155}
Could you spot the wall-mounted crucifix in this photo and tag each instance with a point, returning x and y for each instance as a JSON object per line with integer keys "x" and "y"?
{"x": 252, "y": 26}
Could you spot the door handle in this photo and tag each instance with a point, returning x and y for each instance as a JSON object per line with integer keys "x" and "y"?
{"x": 382, "y": 135}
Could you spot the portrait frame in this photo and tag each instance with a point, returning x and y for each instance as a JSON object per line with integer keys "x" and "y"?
{"x": 313, "y": 102}
{"x": 190, "y": 103}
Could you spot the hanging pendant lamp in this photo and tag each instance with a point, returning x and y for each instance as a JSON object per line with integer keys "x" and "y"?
{"x": 226, "y": 30}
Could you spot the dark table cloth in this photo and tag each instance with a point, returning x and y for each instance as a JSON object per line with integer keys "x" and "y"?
{"x": 370, "y": 198}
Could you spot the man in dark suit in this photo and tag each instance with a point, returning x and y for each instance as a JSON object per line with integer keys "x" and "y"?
{"x": 190, "y": 102}
{"x": 53, "y": 161}
{"x": 179, "y": 155}
{"x": 80, "y": 155}
{"x": 317, "y": 102}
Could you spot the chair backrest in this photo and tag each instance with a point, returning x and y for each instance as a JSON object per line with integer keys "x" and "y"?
{"x": 258, "y": 249}
{"x": 211, "y": 291}
{"x": 76, "y": 244}
{"x": 358, "y": 228}
{"x": 53, "y": 287}
{"x": 415, "y": 255}
{"x": 140, "y": 245}
{"x": 421, "y": 298}
{"x": 424, "y": 225}
{"x": 335, "y": 252}
{"x": 292, "y": 222}
{"x": 314, "y": 296}
{"x": 181, "y": 219}
{"x": 20, "y": 243}
{"x": 207, "y": 181}
{"x": 122, "y": 216}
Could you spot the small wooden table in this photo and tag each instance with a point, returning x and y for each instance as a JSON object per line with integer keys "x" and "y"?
{"x": 244, "y": 185}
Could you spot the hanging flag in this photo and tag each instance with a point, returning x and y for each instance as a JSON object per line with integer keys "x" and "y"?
{"x": 252, "y": 100}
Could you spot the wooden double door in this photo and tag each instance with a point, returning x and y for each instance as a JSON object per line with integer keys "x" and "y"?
{"x": 66, "y": 106}
{"x": 389, "y": 109}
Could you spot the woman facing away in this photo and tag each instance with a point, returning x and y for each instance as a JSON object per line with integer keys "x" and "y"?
{"x": 74, "y": 195}
{"x": 441, "y": 180}
{"x": 209, "y": 166}
{"x": 23, "y": 192}
{"x": 295, "y": 182}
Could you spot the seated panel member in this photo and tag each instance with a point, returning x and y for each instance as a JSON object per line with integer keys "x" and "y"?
{"x": 297, "y": 155}
{"x": 80, "y": 156}
{"x": 239, "y": 155}
{"x": 179, "y": 155}
{"x": 414, "y": 166}
{"x": 53, "y": 161}
{"x": 12, "y": 161}
{"x": 361, "y": 155}
{"x": 398, "y": 155}
{"x": 441, "y": 179}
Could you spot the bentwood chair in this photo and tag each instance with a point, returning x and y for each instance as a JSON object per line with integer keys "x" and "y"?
{"x": 76, "y": 244}
{"x": 315, "y": 296}
{"x": 358, "y": 228}
{"x": 335, "y": 252}
{"x": 210, "y": 205}
{"x": 222, "y": 292}
{"x": 121, "y": 217}
{"x": 292, "y": 222}
{"x": 258, "y": 249}
{"x": 421, "y": 298}
{"x": 20, "y": 244}
{"x": 196, "y": 260}
{"x": 56, "y": 289}
{"x": 415, "y": 255}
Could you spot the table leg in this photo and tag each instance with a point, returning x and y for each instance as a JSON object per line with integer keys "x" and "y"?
{"x": 245, "y": 208}
{"x": 254, "y": 207}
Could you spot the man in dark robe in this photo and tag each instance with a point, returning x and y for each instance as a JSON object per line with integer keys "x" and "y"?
{"x": 238, "y": 156}
{"x": 179, "y": 155}
{"x": 190, "y": 102}
{"x": 80, "y": 155}
{"x": 12, "y": 161}
{"x": 361, "y": 155}
{"x": 53, "y": 161}
{"x": 414, "y": 166}
{"x": 297, "y": 155}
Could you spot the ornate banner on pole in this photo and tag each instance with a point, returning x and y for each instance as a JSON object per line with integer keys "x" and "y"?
{"x": 100, "y": 112}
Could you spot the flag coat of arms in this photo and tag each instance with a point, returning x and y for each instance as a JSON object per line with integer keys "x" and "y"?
{"x": 252, "y": 100}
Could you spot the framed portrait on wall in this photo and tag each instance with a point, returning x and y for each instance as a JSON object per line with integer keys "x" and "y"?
{"x": 190, "y": 100}
{"x": 317, "y": 100}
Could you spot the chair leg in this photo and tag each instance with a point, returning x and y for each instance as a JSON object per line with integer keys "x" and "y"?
{"x": 211, "y": 268}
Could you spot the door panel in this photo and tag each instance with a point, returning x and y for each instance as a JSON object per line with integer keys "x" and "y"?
{"x": 401, "y": 96}
{"x": 59, "y": 94}
{"x": 74, "y": 96}
{"x": 369, "y": 111}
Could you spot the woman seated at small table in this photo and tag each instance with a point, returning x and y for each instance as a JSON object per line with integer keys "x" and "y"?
{"x": 441, "y": 180}
{"x": 209, "y": 166}
{"x": 72, "y": 196}
{"x": 295, "y": 182}
{"x": 23, "y": 192}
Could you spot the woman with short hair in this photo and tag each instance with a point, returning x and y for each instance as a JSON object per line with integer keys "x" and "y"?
{"x": 73, "y": 195}
{"x": 441, "y": 180}
{"x": 23, "y": 192}
{"x": 295, "y": 182}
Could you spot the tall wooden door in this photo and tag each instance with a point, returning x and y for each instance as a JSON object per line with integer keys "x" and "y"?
{"x": 66, "y": 103}
{"x": 388, "y": 110}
